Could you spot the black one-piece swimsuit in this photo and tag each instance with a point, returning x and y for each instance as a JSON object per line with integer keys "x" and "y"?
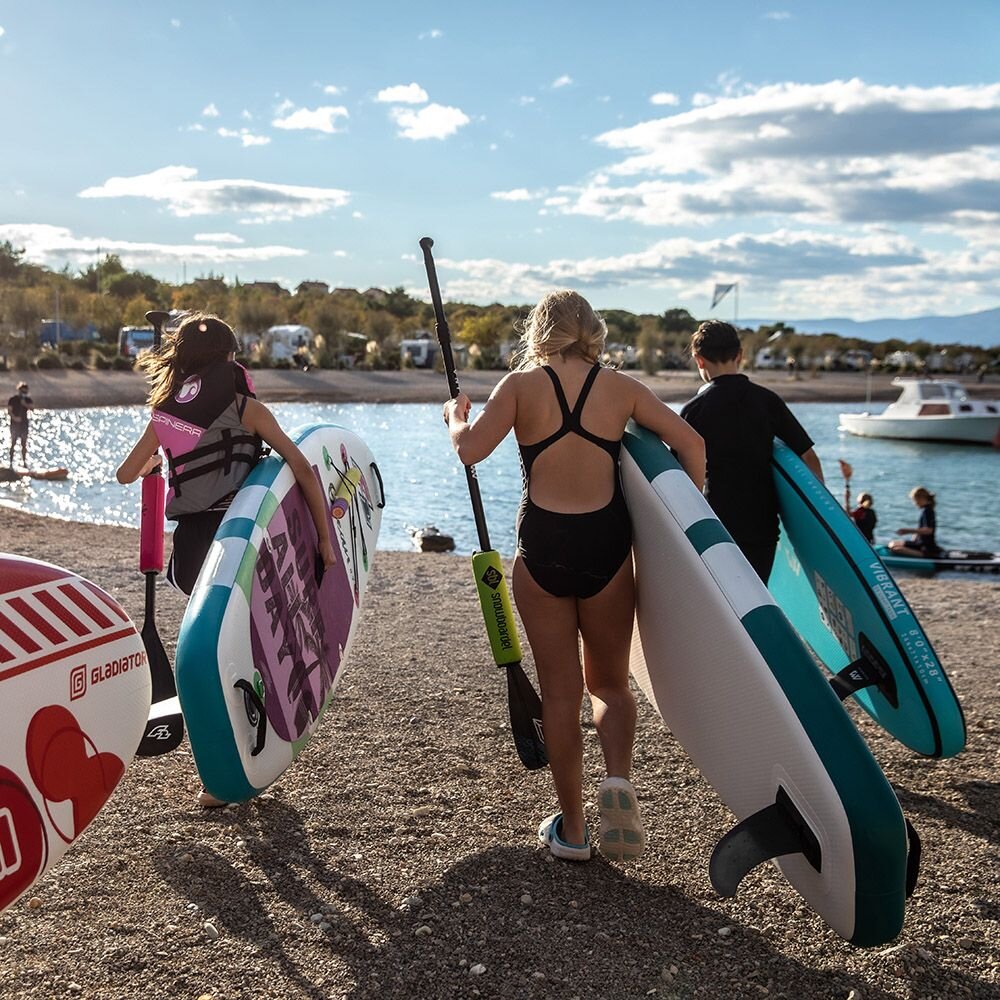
{"x": 573, "y": 555}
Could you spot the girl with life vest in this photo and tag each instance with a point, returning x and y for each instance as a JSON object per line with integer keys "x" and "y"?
{"x": 210, "y": 427}
{"x": 573, "y": 577}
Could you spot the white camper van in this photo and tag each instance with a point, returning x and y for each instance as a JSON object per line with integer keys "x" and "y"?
{"x": 284, "y": 342}
{"x": 422, "y": 353}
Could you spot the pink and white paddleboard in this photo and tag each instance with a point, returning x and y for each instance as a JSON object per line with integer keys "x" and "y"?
{"x": 74, "y": 700}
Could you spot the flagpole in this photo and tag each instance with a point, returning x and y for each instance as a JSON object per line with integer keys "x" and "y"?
{"x": 736, "y": 306}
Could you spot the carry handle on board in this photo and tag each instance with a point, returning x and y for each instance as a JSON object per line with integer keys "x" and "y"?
{"x": 165, "y": 726}
{"x": 523, "y": 703}
{"x": 255, "y": 713}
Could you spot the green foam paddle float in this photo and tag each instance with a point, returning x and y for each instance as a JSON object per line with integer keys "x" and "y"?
{"x": 523, "y": 703}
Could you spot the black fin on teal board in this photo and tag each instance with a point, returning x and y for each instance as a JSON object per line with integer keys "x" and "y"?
{"x": 868, "y": 670}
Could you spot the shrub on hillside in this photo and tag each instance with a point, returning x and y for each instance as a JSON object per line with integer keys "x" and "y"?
{"x": 48, "y": 359}
{"x": 121, "y": 364}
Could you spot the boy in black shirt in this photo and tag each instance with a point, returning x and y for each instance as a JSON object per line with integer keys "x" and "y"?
{"x": 739, "y": 422}
{"x": 17, "y": 410}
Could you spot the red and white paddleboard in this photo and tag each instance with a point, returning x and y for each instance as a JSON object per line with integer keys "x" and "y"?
{"x": 74, "y": 699}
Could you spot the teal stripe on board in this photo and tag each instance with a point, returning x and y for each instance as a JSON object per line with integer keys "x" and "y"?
{"x": 877, "y": 830}
{"x": 706, "y": 533}
{"x": 648, "y": 450}
{"x": 235, "y": 527}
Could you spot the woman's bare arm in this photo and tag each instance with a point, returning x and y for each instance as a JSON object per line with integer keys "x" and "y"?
{"x": 142, "y": 459}
{"x": 476, "y": 440}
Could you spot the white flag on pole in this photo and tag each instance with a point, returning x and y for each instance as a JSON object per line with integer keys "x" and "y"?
{"x": 721, "y": 291}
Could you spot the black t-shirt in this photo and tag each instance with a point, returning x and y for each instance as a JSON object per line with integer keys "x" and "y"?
{"x": 739, "y": 421}
{"x": 865, "y": 519}
{"x": 16, "y": 403}
{"x": 927, "y": 520}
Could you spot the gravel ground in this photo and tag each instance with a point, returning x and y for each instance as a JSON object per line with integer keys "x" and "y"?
{"x": 398, "y": 858}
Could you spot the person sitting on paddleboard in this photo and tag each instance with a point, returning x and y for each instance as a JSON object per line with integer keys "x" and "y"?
{"x": 864, "y": 516}
{"x": 573, "y": 574}
{"x": 739, "y": 421}
{"x": 921, "y": 541}
{"x": 17, "y": 409}
{"x": 210, "y": 427}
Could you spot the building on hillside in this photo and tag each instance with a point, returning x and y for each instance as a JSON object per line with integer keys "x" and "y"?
{"x": 269, "y": 287}
{"x": 375, "y": 295}
{"x": 312, "y": 288}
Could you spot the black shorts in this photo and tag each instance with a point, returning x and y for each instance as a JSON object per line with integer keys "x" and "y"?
{"x": 193, "y": 537}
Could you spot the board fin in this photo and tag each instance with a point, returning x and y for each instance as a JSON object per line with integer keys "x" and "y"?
{"x": 771, "y": 832}
{"x": 868, "y": 670}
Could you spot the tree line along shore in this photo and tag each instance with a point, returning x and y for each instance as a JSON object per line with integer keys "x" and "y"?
{"x": 51, "y": 320}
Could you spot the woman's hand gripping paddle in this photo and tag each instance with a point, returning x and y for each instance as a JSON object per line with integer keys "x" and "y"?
{"x": 523, "y": 703}
{"x": 165, "y": 728}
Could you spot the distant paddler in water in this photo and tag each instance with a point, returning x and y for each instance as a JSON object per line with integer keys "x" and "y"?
{"x": 211, "y": 428}
{"x": 18, "y": 407}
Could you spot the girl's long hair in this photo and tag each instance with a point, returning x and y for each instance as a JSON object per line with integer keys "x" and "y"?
{"x": 200, "y": 340}
{"x": 562, "y": 323}
{"x": 922, "y": 493}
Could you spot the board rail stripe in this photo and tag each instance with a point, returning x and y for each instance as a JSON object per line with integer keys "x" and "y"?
{"x": 11, "y": 630}
{"x": 61, "y": 612}
{"x": 89, "y": 609}
{"x": 706, "y": 533}
{"x": 116, "y": 609}
{"x": 62, "y": 654}
{"x": 26, "y": 611}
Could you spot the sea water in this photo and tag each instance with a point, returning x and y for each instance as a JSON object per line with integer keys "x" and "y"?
{"x": 425, "y": 484}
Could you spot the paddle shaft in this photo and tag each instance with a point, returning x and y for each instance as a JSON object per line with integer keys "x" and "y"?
{"x": 444, "y": 339}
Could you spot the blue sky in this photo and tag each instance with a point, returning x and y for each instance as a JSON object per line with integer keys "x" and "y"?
{"x": 834, "y": 159}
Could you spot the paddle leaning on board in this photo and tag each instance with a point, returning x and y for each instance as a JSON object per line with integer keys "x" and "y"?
{"x": 165, "y": 728}
{"x": 524, "y": 705}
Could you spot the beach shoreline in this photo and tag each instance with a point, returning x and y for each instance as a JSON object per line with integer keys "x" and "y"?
{"x": 61, "y": 389}
{"x": 399, "y": 851}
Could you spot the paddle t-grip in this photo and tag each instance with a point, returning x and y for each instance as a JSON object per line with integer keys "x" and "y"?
{"x": 151, "y": 524}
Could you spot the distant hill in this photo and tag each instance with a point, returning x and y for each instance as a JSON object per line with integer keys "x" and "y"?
{"x": 979, "y": 329}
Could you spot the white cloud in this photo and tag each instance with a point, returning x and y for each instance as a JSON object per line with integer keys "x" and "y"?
{"x": 245, "y": 136}
{"x": 357, "y": 215}
{"x": 2, "y": 31}
{"x": 403, "y": 93}
{"x": 843, "y": 152}
{"x": 285, "y": 105}
{"x": 777, "y": 15}
{"x": 210, "y": 111}
{"x": 323, "y": 119}
{"x": 196, "y": 127}
{"x": 562, "y": 81}
{"x": 664, "y": 97}
{"x": 435, "y": 121}
{"x": 517, "y": 194}
{"x": 524, "y": 101}
{"x": 433, "y": 33}
{"x": 340, "y": 253}
{"x": 246, "y": 116}
{"x": 218, "y": 238}
{"x": 174, "y": 23}
{"x": 55, "y": 245}
{"x": 257, "y": 201}
{"x": 333, "y": 90}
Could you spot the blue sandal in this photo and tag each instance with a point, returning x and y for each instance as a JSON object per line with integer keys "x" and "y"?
{"x": 549, "y": 834}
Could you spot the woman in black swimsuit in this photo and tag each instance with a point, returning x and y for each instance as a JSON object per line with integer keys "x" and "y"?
{"x": 573, "y": 574}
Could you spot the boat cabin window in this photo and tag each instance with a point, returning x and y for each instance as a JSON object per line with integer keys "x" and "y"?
{"x": 931, "y": 390}
{"x": 956, "y": 392}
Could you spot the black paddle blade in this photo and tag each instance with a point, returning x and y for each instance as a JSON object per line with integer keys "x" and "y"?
{"x": 165, "y": 726}
{"x": 525, "y": 718}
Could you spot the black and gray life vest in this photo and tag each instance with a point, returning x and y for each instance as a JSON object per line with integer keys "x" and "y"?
{"x": 209, "y": 452}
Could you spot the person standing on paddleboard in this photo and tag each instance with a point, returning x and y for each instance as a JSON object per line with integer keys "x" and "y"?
{"x": 17, "y": 409}
{"x": 573, "y": 575}
{"x": 211, "y": 429}
{"x": 864, "y": 517}
{"x": 739, "y": 421}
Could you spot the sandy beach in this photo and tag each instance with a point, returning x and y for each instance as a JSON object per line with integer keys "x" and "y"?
{"x": 399, "y": 852}
{"x": 65, "y": 388}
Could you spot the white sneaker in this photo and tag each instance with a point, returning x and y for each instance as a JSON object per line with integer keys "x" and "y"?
{"x": 622, "y": 836}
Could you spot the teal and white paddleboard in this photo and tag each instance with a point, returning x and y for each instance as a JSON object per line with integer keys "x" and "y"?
{"x": 266, "y": 634}
{"x": 735, "y": 684}
{"x": 836, "y": 591}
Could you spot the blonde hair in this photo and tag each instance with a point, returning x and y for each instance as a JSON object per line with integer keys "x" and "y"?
{"x": 199, "y": 341}
{"x": 921, "y": 493}
{"x": 562, "y": 323}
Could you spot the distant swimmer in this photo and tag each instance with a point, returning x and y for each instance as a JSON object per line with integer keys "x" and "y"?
{"x": 573, "y": 576}
{"x": 211, "y": 427}
{"x": 864, "y": 516}
{"x": 739, "y": 421}
{"x": 921, "y": 541}
{"x": 17, "y": 409}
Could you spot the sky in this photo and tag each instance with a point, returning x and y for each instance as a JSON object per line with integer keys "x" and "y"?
{"x": 831, "y": 159}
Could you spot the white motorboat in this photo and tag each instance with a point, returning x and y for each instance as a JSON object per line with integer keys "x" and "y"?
{"x": 930, "y": 410}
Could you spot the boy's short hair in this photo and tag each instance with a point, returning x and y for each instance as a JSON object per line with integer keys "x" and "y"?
{"x": 716, "y": 341}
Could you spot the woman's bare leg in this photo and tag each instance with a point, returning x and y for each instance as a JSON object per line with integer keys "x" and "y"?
{"x": 606, "y": 625}
{"x": 551, "y": 626}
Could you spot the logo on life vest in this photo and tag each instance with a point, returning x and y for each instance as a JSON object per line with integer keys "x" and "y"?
{"x": 189, "y": 390}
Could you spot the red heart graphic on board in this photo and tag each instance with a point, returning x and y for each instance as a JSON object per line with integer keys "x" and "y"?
{"x": 65, "y": 765}
{"x": 23, "y": 844}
